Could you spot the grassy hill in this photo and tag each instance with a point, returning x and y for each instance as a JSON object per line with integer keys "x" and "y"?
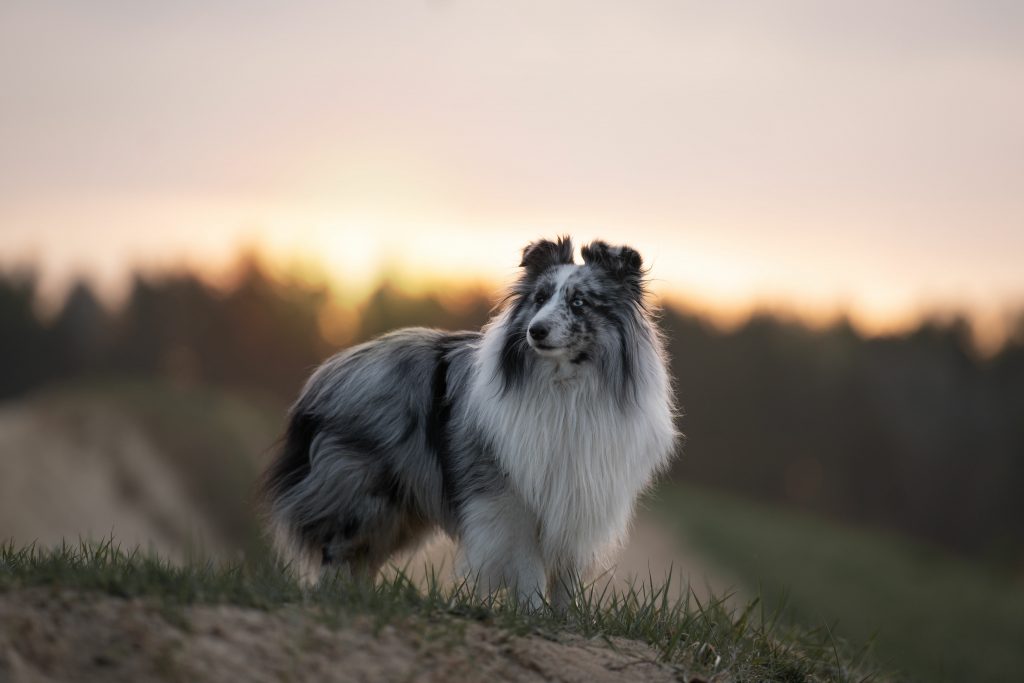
{"x": 96, "y": 613}
{"x": 931, "y": 615}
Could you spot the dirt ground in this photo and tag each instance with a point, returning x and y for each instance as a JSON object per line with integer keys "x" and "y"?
{"x": 48, "y": 636}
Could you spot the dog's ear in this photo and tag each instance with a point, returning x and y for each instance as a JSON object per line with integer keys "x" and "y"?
{"x": 543, "y": 254}
{"x": 622, "y": 263}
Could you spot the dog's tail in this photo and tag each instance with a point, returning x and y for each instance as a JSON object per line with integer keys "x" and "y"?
{"x": 291, "y": 465}
{"x": 290, "y": 468}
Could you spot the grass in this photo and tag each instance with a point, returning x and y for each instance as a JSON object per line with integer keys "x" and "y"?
{"x": 934, "y": 616}
{"x": 706, "y": 639}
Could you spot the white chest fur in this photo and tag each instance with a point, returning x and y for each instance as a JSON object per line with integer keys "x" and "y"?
{"x": 576, "y": 456}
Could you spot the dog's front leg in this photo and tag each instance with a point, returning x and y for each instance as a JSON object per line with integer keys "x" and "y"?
{"x": 500, "y": 550}
{"x": 564, "y": 586}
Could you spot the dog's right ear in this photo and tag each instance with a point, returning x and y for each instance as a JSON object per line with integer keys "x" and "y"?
{"x": 543, "y": 254}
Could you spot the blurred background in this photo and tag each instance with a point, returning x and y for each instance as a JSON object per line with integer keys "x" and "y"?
{"x": 199, "y": 202}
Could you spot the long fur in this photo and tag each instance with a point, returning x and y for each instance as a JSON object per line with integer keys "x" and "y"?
{"x": 528, "y": 442}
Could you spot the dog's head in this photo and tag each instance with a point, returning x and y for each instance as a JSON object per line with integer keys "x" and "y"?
{"x": 578, "y": 312}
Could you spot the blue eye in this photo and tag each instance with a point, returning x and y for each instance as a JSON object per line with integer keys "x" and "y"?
{"x": 577, "y": 302}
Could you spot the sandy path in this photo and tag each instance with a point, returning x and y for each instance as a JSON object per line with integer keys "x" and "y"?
{"x": 85, "y": 471}
{"x": 47, "y": 637}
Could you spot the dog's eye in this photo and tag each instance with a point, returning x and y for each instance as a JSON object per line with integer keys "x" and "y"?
{"x": 578, "y": 302}
{"x": 541, "y": 298}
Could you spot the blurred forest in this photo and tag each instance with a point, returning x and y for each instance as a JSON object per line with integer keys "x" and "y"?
{"x": 916, "y": 433}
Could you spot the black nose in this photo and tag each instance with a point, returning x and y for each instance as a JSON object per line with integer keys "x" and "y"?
{"x": 538, "y": 331}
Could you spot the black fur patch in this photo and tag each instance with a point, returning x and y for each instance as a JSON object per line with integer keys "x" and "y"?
{"x": 512, "y": 362}
{"x": 513, "y": 359}
{"x": 438, "y": 420}
{"x": 292, "y": 463}
{"x": 626, "y": 359}
{"x": 620, "y": 322}
{"x": 351, "y": 527}
{"x": 437, "y": 427}
{"x": 387, "y": 485}
{"x": 440, "y": 407}
{"x": 351, "y": 434}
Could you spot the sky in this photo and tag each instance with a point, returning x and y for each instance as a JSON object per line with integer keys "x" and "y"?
{"x": 819, "y": 157}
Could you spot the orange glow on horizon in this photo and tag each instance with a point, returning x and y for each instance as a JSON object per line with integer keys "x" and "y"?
{"x": 351, "y": 252}
{"x": 334, "y": 260}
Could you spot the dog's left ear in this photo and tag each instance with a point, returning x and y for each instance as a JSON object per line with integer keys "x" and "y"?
{"x": 622, "y": 263}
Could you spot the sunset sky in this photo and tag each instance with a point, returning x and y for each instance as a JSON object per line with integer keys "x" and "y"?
{"x": 816, "y": 156}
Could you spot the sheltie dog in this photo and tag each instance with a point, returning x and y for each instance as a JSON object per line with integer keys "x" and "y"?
{"x": 527, "y": 442}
